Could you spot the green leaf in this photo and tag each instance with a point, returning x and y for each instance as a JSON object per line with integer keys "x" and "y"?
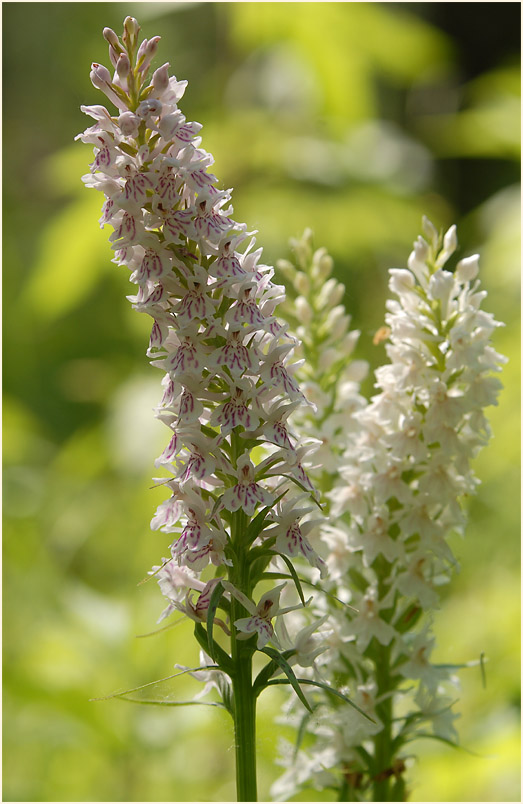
{"x": 302, "y": 730}
{"x": 222, "y": 658}
{"x": 158, "y": 681}
{"x": 160, "y": 630}
{"x": 326, "y": 687}
{"x": 447, "y": 742}
{"x": 306, "y": 490}
{"x": 173, "y": 703}
{"x": 73, "y": 255}
{"x": 294, "y": 576}
{"x": 408, "y": 618}
{"x": 267, "y": 671}
{"x": 256, "y": 526}
{"x": 217, "y": 593}
{"x": 282, "y": 575}
{"x": 287, "y": 669}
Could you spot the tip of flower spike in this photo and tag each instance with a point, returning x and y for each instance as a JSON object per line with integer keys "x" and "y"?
{"x": 429, "y": 230}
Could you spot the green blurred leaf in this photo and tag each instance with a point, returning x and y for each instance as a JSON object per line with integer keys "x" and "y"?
{"x": 71, "y": 260}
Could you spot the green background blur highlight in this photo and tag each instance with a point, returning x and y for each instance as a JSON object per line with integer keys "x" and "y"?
{"x": 354, "y": 119}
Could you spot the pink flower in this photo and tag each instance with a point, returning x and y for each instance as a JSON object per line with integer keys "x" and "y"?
{"x": 246, "y": 494}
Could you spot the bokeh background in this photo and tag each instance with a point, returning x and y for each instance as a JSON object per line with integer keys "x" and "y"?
{"x": 354, "y": 119}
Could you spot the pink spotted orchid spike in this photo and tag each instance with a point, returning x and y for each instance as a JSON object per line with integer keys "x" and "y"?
{"x": 233, "y": 470}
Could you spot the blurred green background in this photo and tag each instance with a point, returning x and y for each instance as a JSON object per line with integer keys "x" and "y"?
{"x": 354, "y": 119}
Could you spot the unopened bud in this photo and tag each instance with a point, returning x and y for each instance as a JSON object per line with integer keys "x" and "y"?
{"x": 467, "y": 268}
{"x": 450, "y": 244}
{"x": 430, "y": 231}
{"x": 322, "y": 264}
{"x": 146, "y": 56}
{"x": 401, "y": 281}
{"x": 349, "y": 342}
{"x": 302, "y": 283}
{"x": 302, "y": 249}
{"x": 100, "y": 76}
{"x": 130, "y": 31}
{"x": 442, "y": 288}
{"x": 141, "y": 50}
{"x": 417, "y": 261}
{"x": 114, "y": 55}
{"x": 331, "y": 294}
{"x": 152, "y": 46}
{"x": 110, "y": 36}
{"x": 160, "y": 79}
{"x": 337, "y": 323}
{"x": 304, "y": 311}
{"x": 123, "y": 66}
{"x": 450, "y": 241}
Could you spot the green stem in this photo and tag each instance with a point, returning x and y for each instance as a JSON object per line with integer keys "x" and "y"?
{"x": 383, "y": 740}
{"x": 241, "y": 653}
{"x": 244, "y": 714}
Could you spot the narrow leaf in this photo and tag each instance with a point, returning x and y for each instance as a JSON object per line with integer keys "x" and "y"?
{"x": 267, "y": 671}
{"x": 294, "y": 576}
{"x": 173, "y": 703}
{"x": 326, "y": 687}
{"x": 217, "y": 593}
{"x": 448, "y": 742}
{"x": 282, "y": 575}
{"x": 222, "y": 658}
{"x": 287, "y": 669}
{"x": 158, "y": 681}
{"x": 303, "y": 488}
{"x": 256, "y": 526}
{"x": 163, "y": 628}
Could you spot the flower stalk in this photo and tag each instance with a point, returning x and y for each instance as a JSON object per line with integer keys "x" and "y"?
{"x": 400, "y": 467}
{"x": 227, "y": 386}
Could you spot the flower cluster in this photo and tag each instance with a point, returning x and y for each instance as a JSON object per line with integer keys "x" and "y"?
{"x": 403, "y": 474}
{"x": 228, "y": 383}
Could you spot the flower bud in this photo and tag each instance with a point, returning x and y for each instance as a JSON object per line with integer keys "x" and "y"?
{"x": 441, "y": 288}
{"x": 114, "y": 55}
{"x": 100, "y": 76}
{"x": 401, "y": 281}
{"x": 302, "y": 249}
{"x": 129, "y": 123}
{"x": 303, "y": 310}
{"x": 110, "y": 36}
{"x": 331, "y": 294}
{"x": 325, "y": 266}
{"x": 160, "y": 79}
{"x": 146, "y": 55}
{"x": 141, "y": 50}
{"x": 430, "y": 231}
{"x": 152, "y": 46}
{"x": 123, "y": 66}
{"x": 130, "y": 31}
{"x": 467, "y": 269}
{"x": 302, "y": 283}
{"x": 450, "y": 244}
{"x": 417, "y": 261}
{"x": 337, "y": 322}
{"x": 322, "y": 264}
{"x": 450, "y": 241}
